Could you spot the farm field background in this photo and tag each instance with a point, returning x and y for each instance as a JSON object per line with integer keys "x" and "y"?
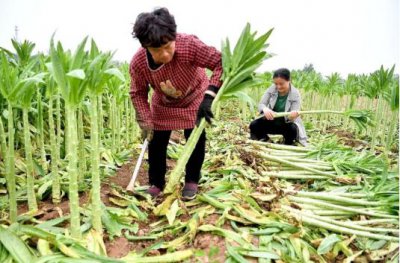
{"x": 69, "y": 142}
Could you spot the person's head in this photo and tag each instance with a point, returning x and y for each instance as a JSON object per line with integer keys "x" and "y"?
{"x": 281, "y": 80}
{"x": 156, "y": 31}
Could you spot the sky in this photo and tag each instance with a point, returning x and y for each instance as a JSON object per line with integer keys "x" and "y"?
{"x": 345, "y": 36}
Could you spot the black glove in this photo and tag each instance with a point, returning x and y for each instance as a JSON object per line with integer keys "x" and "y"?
{"x": 205, "y": 106}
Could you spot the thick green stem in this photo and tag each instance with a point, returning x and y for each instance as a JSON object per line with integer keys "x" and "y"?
{"x": 285, "y": 114}
{"x": 30, "y": 171}
{"x": 41, "y": 132}
{"x": 351, "y": 195}
{"x": 3, "y": 141}
{"x": 339, "y": 207}
{"x": 134, "y": 128}
{"x": 330, "y": 213}
{"x": 113, "y": 124}
{"x": 350, "y": 106}
{"x": 82, "y": 151}
{"x": 314, "y": 222}
{"x": 347, "y": 224}
{"x": 100, "y": 116}
{"x": 218, "y": 111}
{"x": 127, "y": 114}
{"x": 72, "y": 153}
{"x": 244, "y": 110}
{"x": 286, "y": 153}
{"x": 58, "y": 121}
{"x": 281, "y": 146}
{"x": 55, "y": 156}
{"x": 377, "y": 127}
{"x": 118, "y": 126}
{"x": 295, "y": 172}
{"x": 291, "y": 164}
{"x": 392, "y": 130}
{"x": 95, "y": 164}
{"x": 294, "y": 176}
{"x": 376, "y": 221}
{"x": 337, "y": 198}
{"x": 11, "y": 185}
{"x": 177, "y": 172}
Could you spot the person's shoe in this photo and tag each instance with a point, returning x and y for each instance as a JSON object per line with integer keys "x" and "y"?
{"x": 189, "y": 191}
{"x": 154, "y": 191}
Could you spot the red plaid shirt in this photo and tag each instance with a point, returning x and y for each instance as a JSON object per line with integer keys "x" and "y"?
{"x": 187, "y": 75}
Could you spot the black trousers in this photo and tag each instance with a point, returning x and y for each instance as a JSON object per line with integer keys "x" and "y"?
{"x": 158, "y": 158}
{"x": 260, "y": 128}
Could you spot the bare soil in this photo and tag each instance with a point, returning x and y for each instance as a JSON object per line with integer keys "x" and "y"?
{"x": 212, "y": 245}
{"x": 347, "y": 138}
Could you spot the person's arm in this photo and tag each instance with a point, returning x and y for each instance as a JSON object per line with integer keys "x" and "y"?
{"x": 295, "y": 107}
{"x": 263, "y": 106}
{"x": 208, "y": 57}
{"x": 264, "y": 101}
{"x": 139, "y": 95}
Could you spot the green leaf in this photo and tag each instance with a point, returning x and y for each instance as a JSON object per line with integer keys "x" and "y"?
{"x": 247, "y": 83}
{"x": 43, "y": 188}
{"x": 169, "y": 257}
{"x": 15, "y": 246}
{"x": 57, "y": 69}
{"x": 213, "y": 251}
{"x": 260, "y": 43}
{"x": 242, "y": 96}
{"x": 259, "y": 254}
{"x": 199, "y": 253}
{"x": 115, "y": 72}
{"x": 394, "y": 96}
{"x": 172, "y": 212}
{"x": 4, "y": 255}
{"x": 53, "y": 222}
{"x": 234, "y": 254}
{"x": 228, "y": 234}
{"x": 238, "y": 51}
{"x": 327, "y": 244}
{"x": 375, "y": 245}
{"x": 241, "y": 76}
{"x": 79, "y": 55}
{"x": 226, "y": 59}
{"x": 94, "y": 50}
{"x": 115, "y": 220}
{"x": 77, "y": 74}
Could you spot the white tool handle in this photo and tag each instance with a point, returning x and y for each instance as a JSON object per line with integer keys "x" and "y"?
{"x": 137, "y": 167}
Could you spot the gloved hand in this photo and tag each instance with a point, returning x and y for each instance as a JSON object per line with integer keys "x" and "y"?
{"x": 147, "y": 134}
{"x": 147, "y": 129}
{"x": 205, "y": 106}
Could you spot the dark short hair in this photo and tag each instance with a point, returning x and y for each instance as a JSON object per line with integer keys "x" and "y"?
{"x": 283, "y": 73}
{"x": 155, "y": 29}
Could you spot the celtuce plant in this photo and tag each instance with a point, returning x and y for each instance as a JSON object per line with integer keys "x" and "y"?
{"x": 265, "y": 201}
{"x": 238, "y": 68}
{"x": 68, "y": 73}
